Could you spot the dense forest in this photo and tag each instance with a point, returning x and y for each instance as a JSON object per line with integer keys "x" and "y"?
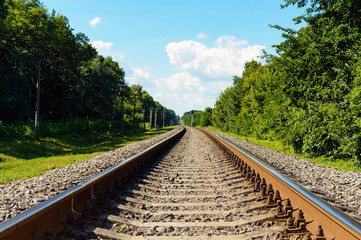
{"x": 79, "y": 88}
{"x": 309, "y": 94}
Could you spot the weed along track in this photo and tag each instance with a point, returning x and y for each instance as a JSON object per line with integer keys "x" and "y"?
{"x": 198, "y": 189}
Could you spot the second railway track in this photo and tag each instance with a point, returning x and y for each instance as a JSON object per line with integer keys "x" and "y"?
{"x": 195, "y": 190}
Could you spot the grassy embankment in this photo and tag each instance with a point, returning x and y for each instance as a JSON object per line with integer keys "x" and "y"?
{"x": 25, "y": 158}
{"x": 350, "y": 165}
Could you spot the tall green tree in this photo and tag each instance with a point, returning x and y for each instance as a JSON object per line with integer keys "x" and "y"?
{"x": 309, "y": 94}
{"x": 320, "y": 61}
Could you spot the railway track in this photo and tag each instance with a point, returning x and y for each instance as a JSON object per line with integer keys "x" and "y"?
{"x": 193, "y": 191}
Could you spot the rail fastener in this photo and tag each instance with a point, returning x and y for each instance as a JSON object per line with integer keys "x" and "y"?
{"x": 321, "y": 219}
{"x": 53, "y": 215}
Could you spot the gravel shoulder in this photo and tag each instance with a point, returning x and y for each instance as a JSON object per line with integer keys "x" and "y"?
{"x": 21, "y": 195}
{"x": 340, "y": 188}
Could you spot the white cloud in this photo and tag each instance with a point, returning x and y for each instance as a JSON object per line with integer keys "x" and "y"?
{"x": 202, "y": 36}
{"x": 226, "y": 59}
{"x": 215, "y": 87}
{"x": 183, "y": 52}
{"x": 181, "y": 102}
{"x": 179, "y": 81}
{"x": 103, "y": 48}
{"x": 142, "y": 73}
{"x": 230, "y": 42}
{"x": 142, "y": 76}
{"x": 95, "y": 22}
{"x": 180, "y": 91}
{"x": 204, "y": 72}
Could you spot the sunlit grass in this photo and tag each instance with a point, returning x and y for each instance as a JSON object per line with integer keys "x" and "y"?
{"x": 347, "y": 165}
{"x": 23, "y": 168}
{"x": 22, "y": 159}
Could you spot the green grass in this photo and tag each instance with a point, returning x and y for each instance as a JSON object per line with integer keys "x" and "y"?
{"x": 346, "y": 165}
{"x": 26, "y": 158}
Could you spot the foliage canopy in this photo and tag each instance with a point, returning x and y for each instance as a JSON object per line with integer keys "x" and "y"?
{"x": 309, "y": 95}
{"x": 76, "y": 82}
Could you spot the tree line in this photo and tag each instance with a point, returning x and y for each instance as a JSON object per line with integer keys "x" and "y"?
{"x": 76, "y": 82}
{"x": 309, "y": 94}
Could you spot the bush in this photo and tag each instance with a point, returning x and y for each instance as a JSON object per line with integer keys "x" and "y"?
{"x": 71, "y": 128}
{"x": 23, "y": 130}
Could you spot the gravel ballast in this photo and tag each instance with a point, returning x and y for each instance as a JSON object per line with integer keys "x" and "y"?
{"x": 21, "y": 195}
{"x": 340, "y": 188}
{"x": 192, "y": 191}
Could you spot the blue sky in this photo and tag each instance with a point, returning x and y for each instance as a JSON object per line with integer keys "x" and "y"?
{"x": 184, "y": 53}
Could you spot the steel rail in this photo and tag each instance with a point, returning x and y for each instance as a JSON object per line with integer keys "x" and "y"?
{"x": 36, "y": 221}
{"x": 336, "y": 224}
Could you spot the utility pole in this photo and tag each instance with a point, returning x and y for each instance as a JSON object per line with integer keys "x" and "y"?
{"x": 122, "y": 115}
{"x": 144, "y": 119}
{"x": 37, "y": 115}
{"x": 135, "y": 100}
{"x": 150, "y": 117}
{"x": 192, "y": 118}
{"x": 163, "y": 119}
{"x": 115, "y": 109}
{"x": 155, "y": 120}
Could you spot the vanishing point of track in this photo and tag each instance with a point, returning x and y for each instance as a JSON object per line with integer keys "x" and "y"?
{"x": 193, "y": 190}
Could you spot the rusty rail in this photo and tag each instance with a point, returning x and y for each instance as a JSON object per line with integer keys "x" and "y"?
{"x": 321, "y": 219}
{"x": 62, "y": 209}
{"x": 67, "y": 206}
